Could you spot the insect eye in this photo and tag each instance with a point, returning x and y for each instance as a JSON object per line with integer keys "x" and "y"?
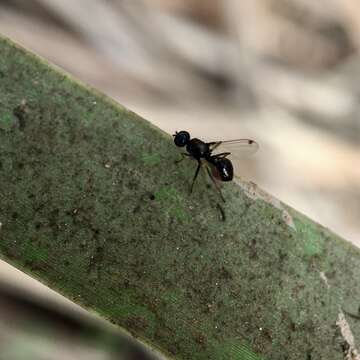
{"x": 181, "y": 138}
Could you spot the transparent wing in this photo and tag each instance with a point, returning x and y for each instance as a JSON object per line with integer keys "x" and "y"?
{"x": 237, "y": 147}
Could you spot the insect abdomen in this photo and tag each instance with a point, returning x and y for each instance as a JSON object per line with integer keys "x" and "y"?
{"x": 225, "y": 168}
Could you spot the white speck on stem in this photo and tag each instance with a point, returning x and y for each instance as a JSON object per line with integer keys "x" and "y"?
{"x": 352, "y": 353}
{"x": 0, "y": 225}
{"x": 325, "y": 279}
{"x": 254, "y": 192}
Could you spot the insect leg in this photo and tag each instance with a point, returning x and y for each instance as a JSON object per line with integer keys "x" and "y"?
{"x": 215, "y": 183}
{"x": 183, "y": 155}
{"x": 195, "y": 176}
{"x": 222, "y": 212}
{"x": 214, "y": 145}
{"x": 221, "y": 155}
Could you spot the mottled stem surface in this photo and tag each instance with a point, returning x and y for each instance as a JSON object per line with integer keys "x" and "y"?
{"x": 93, "y": 204}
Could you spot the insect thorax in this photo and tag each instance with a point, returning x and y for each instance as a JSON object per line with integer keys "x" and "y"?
{"x": 197, "y": 148}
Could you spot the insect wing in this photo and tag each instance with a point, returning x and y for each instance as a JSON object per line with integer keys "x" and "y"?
{"x": 237, "y": 147}
{"x": 214, "y": 172}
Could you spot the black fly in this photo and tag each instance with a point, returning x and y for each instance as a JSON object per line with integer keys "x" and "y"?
{"x": 218, "y": 166}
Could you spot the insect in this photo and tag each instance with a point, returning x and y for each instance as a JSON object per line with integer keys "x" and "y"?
{"x": 218, "y": 166}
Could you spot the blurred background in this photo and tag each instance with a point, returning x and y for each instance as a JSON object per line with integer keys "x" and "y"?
{"x": 283, "y": 72}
